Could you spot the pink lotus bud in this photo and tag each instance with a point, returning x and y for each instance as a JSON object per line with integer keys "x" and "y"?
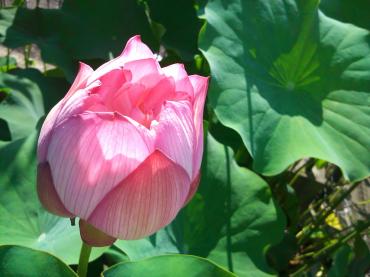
{"x": 122, "y": 150}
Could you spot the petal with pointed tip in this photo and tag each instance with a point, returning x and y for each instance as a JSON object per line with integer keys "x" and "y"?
{"x": 81, "y": 79}
{"x": 134, "y": 50}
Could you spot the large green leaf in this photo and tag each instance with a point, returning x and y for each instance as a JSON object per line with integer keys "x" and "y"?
{"x": 22, "y": 219}
{"x": 291, "y": 81}
{"x": 168, "y": 266}
{"x": 23, "y": 105}
{"x": 21, "y": 261}
{"x": 79, "y": 30}
{"x": 231, "y": 220}
{"x": 162, "y": 242}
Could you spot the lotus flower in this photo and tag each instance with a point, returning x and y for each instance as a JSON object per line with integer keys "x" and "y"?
{"x": 122, "y": 150}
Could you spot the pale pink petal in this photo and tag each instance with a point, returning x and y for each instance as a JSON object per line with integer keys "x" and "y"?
{"x": 134, "y": 50}
{"x": 200, "y": 85}
{"x": 121, "y": 101}
{"x": 112, "y": 82}
{"x": 89, "y": 154}
{"x": 178, "y": 73}
{"x": 142, "y": 68}
{"x": 145, "y": 201}
{"x": 78, "y": 102}
{"x": 175, "y": 134}
{"x": 47, "y": 194}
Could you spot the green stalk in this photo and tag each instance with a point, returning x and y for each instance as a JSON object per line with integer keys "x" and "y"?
{"x": 26, "y": 54}
{"x": 84, "y": 260}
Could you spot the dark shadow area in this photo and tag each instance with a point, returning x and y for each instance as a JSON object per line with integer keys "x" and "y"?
{"x": 4, "y": 131}
{"x": 78, "y": 31}
{"x": 356, "y": 12}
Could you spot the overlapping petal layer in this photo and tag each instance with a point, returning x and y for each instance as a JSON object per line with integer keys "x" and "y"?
{"x": 145, "y": 201}
{"x": 175, "y": 134}
{"x": 91, "y": 153}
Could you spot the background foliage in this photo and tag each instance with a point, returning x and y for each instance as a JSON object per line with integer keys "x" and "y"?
{"x": 287, "y": 127}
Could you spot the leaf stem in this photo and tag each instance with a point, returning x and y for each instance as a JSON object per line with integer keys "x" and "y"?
{"x": 84, "y": 260}
{"x": 228, "y": 207}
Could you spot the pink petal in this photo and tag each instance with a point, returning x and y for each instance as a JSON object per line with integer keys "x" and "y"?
{"x": 70, "y": 105}
{"x": 91, "y": 153}
{"x": 200, "y": 85}
{"x": 158, "y": 94}
{"x": 122, "y": 101}
{"x": 175, "y": 134}
{"x": 178, "y": 72}
{"x": 80, "y": 81}
{"x": 78, "y": 102}
{"x": 47, "y": 194}
{"x": 145, "y": 201}
{"x": 134, "y": 50}
{"x": 142, "y": 68}
{"x": 45, "y": 133}
{"x": 112, "y": 82}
